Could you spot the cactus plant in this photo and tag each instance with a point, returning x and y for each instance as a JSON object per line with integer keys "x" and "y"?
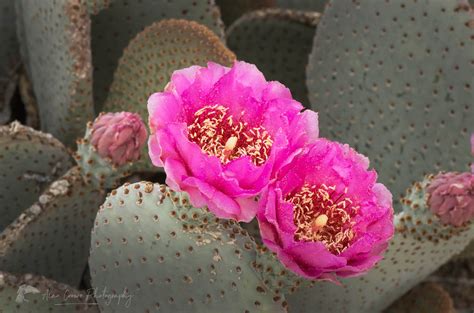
{"x": 409, "y": 112}
{"x": 61, "y": 43}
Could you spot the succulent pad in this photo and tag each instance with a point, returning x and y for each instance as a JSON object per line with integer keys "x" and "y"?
{"x": 140, "y": 246}
{"x": 153, "y": 55}
{"x": 278, "y": 42}
{"x": 29, "y": 162}
{"x": 121, "y": 20}
{"x": 394, "y": 80}
{"x": 55, "y": 45}
{"x": 36, "y": 294}
{"x": 52, "y": 237}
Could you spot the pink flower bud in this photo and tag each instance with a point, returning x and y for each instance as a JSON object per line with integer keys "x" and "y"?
{"x": 119, "y": 136}
{"x": 451, "y": 197}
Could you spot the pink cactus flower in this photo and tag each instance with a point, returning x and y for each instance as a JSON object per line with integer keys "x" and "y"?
{"x": 221, "y": 133}
{"x": 326, "y": 216}
{"x": 119, "y": 137}
{"x": 451, "y": 197}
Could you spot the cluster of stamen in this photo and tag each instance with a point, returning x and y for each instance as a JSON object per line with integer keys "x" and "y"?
{"x": 218, "y": 134}
{"x": 325, "y": 215}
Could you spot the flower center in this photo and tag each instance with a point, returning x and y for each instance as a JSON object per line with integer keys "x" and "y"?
{"x": 321, "y": 214}
{"x": 218, "y": 134}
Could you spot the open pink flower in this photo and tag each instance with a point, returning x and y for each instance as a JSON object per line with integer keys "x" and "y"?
{"x": 119, "y": 137}
{"x": 326, "y": 215}
{"x": 221, "y": 134}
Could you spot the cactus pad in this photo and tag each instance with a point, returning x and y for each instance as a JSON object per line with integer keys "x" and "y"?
{"x": 152, "y": 56}
{"x": 29, "y": 162}
{"x": 122, "y": 20}
{"x": 278, "y": 42}
{"x": 394, "y": 80}
{"x": 56, "y": 50}
{"x": 52, "y": 237}
{"x": 141, "y": 246}
{"x": 37, "y": 294}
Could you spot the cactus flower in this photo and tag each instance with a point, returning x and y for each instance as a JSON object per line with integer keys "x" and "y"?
{"x": 326, "y": 216}
{"x": 451, "y": 197}
{"x": 221, "y": 133}
{"x": 119, "y": 137}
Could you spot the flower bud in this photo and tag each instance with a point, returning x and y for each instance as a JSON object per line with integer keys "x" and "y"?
{"x": 119, "y": 137}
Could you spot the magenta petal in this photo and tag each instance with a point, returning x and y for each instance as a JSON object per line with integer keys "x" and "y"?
{"x": 182, "y": 79}
{"x": 312, "y": 258}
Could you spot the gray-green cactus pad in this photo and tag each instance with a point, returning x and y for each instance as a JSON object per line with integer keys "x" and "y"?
{"x": 9, "y": 57}
{"x": 55, "y": 45}
{"x": 278, "y": 42}
{"x": 52, "y": 237}
{"x": 36, "y": 294}
{"x": 394, "y": 80}
{"x": 151, "y": 57}
{"x": 307, "y": 5}
{"x": 231, "y": 10}
{"x": 141, "y": 247}
{"x": 29, "y": 162}
{"x": 122, "y": 20}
